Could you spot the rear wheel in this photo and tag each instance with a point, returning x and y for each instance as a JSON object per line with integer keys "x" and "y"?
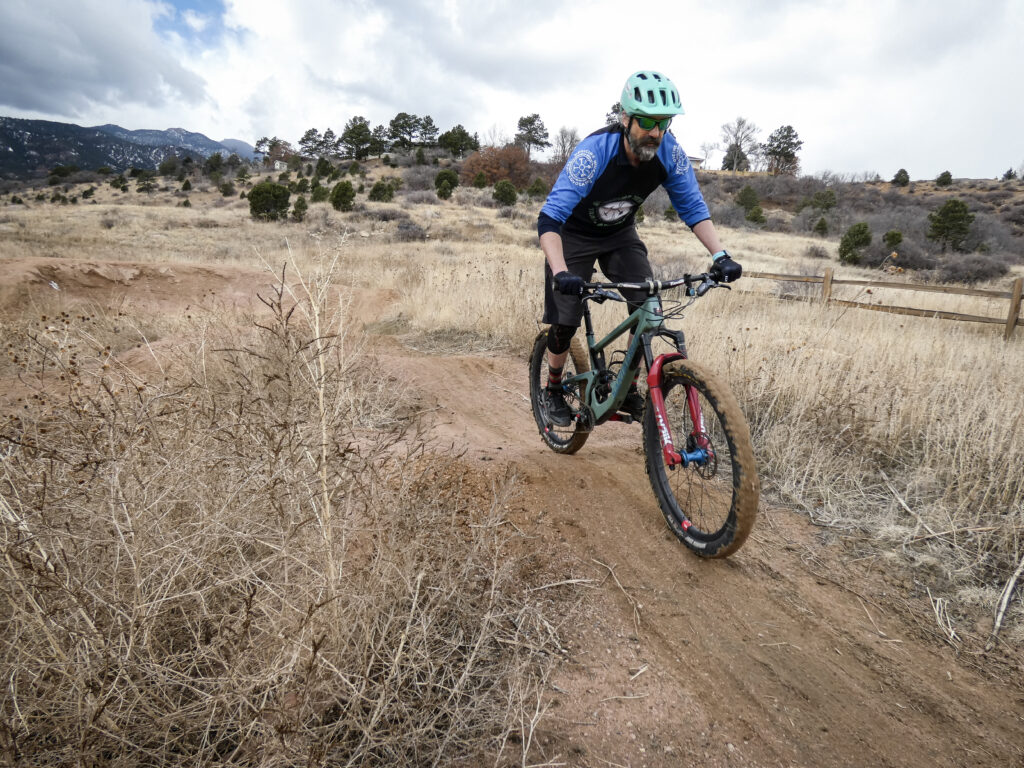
{"x": 567, "y": 439}
{"x": 711, "y": 503}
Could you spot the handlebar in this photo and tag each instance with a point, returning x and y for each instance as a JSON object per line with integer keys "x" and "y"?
{"x": 703, "y": 282}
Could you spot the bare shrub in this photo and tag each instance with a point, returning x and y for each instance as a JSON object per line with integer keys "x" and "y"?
{"x": 388, "y": 214}
{"x": 497, "y": 164}
{"x": 409, "y": 231}
{"x": 728, "y": 214}
{"x": 816, "y": 252}
{"x": 215, "y": 564}
{"x": 778, "y": 221}
{"x": 972, "y": 268}
{"x": 421, "y": 197}
{"x": 417, "y": 178}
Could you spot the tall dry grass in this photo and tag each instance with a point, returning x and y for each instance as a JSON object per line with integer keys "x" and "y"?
{"x": 241, "y": 551}
{"x": 904, "y": 430}
{"x": 900, "y": 430}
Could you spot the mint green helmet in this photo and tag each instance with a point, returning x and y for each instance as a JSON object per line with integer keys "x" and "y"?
{"x": 650, "y": 93}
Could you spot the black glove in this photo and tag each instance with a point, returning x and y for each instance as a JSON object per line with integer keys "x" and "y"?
{"x": 724, "y": 269}
{"x": 568, "y": 283}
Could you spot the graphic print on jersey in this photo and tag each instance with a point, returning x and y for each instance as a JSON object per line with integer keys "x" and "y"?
{"x": 680, "y": 159}
{"x": 614, "y": 211}
{"x": 582, "y": 167}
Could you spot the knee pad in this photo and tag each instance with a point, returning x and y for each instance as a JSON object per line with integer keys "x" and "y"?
{"x": 560, "y": 338}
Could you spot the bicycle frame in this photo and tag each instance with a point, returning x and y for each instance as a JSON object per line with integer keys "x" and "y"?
{"x": 604, "y": 396}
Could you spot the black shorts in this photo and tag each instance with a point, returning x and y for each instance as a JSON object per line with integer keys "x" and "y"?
{"x": 623, "y": 259}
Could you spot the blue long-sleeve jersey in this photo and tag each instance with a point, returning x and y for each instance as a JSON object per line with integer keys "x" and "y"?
{"x": 598, "y": 191}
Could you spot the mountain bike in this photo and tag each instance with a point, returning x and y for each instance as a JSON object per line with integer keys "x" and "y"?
{"x": 696, "y": 442}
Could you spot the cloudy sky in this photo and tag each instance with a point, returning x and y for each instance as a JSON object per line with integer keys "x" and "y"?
{"x": 869, "y": 85}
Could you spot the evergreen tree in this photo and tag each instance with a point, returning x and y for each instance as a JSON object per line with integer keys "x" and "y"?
{"x": 505, "y": 193}
{"x": 356, "y": 137}
{"x": 781, "y": 149}
{"x": 342, "y": 196}
{"x": 427, "y": 132}
{"x": 614, "y": 114}
{"x": 310, "y": 143}
{"x": 532, "y": 133}
{"x": 403, "y": 130}
{"x": 735, "y": 159}
{"x": 268, "y": 201}
{"x": 447, "y": 176}
{"x": 378, "y": 141}
{"x": 951, "y": 224}
{"x": 457, "y": 141}
{"x": 382, "y": 191}
{"x": 329, "y": 144}
{"x": 747, "y": 198}
{"x": 853, "y": 242}
{"x": 901, "y": 179}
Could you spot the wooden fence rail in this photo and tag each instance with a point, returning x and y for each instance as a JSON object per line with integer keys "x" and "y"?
{"x": 1009, "y": 321}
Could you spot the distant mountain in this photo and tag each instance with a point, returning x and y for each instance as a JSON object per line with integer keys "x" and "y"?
{"x": 32, "y": 147}
{"x": 240, "y": 148}
{"x": 172, "y": 137}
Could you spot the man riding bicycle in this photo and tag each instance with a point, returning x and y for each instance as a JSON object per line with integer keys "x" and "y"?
{"x": 589, "y": 217}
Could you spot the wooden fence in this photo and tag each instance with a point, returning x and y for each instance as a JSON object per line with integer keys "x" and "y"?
{"x": 1009, "y": 321}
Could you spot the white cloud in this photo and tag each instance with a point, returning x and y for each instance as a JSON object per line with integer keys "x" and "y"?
{"x": 67, "y": 58}
{"x": 197, "y": 22}
{"x": 873, "y": 85}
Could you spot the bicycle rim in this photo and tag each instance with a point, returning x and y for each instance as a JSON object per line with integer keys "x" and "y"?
{"x": 567, "y": 439}
{"x": 709, "y": 505}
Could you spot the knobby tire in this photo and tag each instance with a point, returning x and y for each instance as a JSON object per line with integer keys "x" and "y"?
{"x": 559, "y": 439}
{"x": 710, "y": 508}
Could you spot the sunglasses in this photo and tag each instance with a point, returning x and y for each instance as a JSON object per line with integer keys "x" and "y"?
{"x": 648, "y": 123}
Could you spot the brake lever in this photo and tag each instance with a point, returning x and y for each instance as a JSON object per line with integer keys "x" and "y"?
{"x": 706, "y": 286}
{"x": 600, "y": 295}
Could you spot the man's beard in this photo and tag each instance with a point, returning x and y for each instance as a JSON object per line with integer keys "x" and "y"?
{"x": 644, "y": 150}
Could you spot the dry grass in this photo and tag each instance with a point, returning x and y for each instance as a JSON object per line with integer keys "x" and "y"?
{"x": 901, "y": 431}
{"x": 904, "y": 430}
{"x": 242, "y": 552}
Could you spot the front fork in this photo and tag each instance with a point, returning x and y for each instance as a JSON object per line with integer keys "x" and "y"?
{"x": 702, "y": 447}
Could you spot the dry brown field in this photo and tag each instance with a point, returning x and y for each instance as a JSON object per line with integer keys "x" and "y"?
{"x": 272, "y": 494}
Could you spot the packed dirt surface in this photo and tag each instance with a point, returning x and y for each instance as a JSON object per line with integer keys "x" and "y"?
{"x": 793, "y": 652}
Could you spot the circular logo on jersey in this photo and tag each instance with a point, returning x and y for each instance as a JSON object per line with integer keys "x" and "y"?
{"x": 582, "y": 167}
{"x": 681, "y": 160}
{"x": 617, "y": 210}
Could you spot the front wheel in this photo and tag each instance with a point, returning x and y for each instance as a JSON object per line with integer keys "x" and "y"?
{"x": 711, "y": 503}
{"x": 571, "y": 438}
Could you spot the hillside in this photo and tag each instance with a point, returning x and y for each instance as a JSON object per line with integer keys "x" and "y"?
{"x": 30, "y": 148}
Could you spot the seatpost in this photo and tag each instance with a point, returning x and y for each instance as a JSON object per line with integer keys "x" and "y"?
{"x": 596, "y": 358}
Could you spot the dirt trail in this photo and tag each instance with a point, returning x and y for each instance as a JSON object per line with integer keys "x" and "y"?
{"x": 786, "y": 654}
{"x": 782, "y": 655}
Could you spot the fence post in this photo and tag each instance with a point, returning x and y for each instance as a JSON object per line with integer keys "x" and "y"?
{"x": 1011, "y": 317}
{"x": 826, "y": 286}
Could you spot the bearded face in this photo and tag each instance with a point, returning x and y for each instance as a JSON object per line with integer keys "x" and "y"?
{"x": 644, "y": 144}
{"x": 644, "y": 147}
